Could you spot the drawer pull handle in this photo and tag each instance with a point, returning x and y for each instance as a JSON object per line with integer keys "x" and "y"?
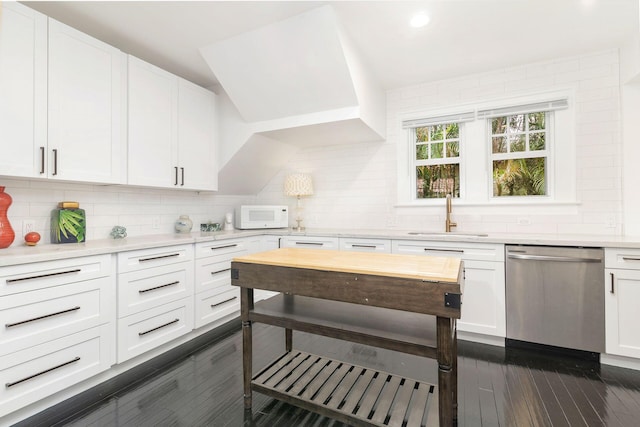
{"x": 11, "y": 325}
{"x": 364, "y": 246}
{"x": 459, "y": 251}
{"x": 628, "y": 258}
{"x": 7, "y": 385}
{"x": 223, "y": 302}
{"x": 41, "y": 276}
{"x": 41, "y": 160}
{"x": 55, "y": 161}
{"x": 612, "y": 282}
{"x": 158, "y": 287}
{"x": 158, "y": 327}
{"x": 157, "y": 257}
{"x": 310, "y": 243}
{"x": 215, "y": 248}
{"x": 220, "y": 271}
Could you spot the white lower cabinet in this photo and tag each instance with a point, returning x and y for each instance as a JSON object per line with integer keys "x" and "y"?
{"x": 59, "y": 326}
{"x": 148, "y": 329}
{"x": 155, "y": 298}
{"x": 483, "y": 297}
{"x": 40, "y": 371}
{"x": 310, "y": 242}
{"x": 622, "y": 293}
{"x": 382, "y": 246}
{"x": 215, "y": 297}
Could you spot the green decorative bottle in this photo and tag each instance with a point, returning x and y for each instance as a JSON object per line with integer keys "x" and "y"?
{"x": 68, "y": 223}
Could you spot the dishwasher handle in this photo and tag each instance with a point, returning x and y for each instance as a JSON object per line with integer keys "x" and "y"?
{"x": 551, "y": 258}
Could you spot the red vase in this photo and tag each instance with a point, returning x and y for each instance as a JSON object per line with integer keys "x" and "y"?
{"x": 6, "y": 232}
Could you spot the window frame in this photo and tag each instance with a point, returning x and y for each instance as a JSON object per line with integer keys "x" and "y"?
{"x": 476, "y": 168}
{"x": 527, "y": 154}
{"x": 415, "y": 163}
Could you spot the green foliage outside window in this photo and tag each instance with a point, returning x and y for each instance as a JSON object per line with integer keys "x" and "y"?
{"x": 518, "y": 147}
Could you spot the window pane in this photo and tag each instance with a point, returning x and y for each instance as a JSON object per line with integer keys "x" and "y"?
{"x": 536, "y": 141}
{"x": 453, "y": 149}
{"x": 536, "y": 121}
{"x": 453, "y": 131}
{"x": 422, "y": 134}
{"x": 499, "y": 144}
{"x": 436, "y": 181}
{"x": 517, "y": 143}
{"x": 437, "y": 132}
{"x": 498, "y": 125}
{"x": 516, "y": 123}
{"x": 422, "y": 152}
{"x": 520, "y": 177}
{"x": 436, "y": 150}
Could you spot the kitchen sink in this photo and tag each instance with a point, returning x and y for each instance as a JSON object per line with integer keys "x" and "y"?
{"x": 451, "y": 234}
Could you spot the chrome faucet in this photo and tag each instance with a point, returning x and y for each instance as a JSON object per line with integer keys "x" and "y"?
{"x": 448, "y": 223}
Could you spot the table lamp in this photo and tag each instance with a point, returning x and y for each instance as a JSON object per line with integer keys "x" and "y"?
{"x": 298, "y": 185}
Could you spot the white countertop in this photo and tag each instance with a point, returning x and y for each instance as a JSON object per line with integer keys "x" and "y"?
{"x": 45, "y": 252}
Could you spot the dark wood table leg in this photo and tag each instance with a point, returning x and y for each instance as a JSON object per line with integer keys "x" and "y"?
{"x": 455, "y": 372}
{"x": 246, "y": 305}
{"x": 445, "y": 370}
{"x": 288, "y": 339}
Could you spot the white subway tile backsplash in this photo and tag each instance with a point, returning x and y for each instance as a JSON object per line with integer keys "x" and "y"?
{"x": 356, "y": 185}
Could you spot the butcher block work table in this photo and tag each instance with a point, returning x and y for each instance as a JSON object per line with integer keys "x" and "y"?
{"x": 406, "y": 303}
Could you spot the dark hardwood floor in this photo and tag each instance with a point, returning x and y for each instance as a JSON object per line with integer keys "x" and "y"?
{"x": 497, "y": 387}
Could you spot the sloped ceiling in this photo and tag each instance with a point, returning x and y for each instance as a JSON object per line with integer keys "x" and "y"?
{"x": 296, "y": 82}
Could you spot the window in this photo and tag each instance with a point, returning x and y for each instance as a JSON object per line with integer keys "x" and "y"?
{"x": 519, "y": 154}
{"x": 435, "y": 155}
{"x": 437, "y": 160}
{"x": 518, "y": 151}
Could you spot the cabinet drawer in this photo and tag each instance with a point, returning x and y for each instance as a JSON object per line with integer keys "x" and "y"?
{"x": 31, "y": 318}
{"x": 212, "y": 305}
{"x": 211, "y": 275}
{"x": 622, "y": 258}
{"x": 365, "y": 245}
{"x": 144, "y": 331}
{"x": 463, "y": 250}
{"x": 37, "y": 372}
{"x": 222, "y": 249}
{"x": 310, "y": 242}
{"x": 29, "y": 277}
{"x": 149, "y": 258}
{"x": 145, "y": 289}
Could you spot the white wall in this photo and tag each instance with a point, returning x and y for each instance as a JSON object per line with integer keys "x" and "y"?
{"x": 355, "y": 185}
{"x": 105, "y": 206}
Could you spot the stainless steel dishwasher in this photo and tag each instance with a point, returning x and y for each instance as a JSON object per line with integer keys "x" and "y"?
{"x": 555, "y": 296}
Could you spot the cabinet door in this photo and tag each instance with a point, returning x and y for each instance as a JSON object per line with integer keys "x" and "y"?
{"x": 153, "y": 137}
{"x": 23, "y": 86}
{"x": 196, "y": 142}
{"x": 85, "y": 123}
{"x": 483, "y": 299}
{"x": 622, "y": 289}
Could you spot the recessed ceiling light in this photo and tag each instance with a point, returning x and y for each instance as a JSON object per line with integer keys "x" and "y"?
{"x": 419, "y": 20}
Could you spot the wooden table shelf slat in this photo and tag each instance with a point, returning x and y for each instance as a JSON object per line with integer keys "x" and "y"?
{"x": 397, "y": 400}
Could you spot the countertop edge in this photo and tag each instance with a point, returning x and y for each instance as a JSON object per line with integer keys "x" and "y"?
{"x": 23, "y": 254}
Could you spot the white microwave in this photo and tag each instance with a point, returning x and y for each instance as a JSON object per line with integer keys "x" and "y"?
{"x": 262, "y": 216}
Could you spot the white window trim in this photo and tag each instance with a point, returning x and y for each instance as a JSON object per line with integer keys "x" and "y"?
{"x": 476, "y": 182}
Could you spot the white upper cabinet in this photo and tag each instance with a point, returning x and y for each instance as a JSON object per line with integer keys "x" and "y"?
{"x": 85, "y": 141}
{"x": 152, "y": 127}
{"x": 23, "y": 86}
{"x": 171, "y": 130}
{"x": 196, "y": 137}
{"x": 60, "y": 115}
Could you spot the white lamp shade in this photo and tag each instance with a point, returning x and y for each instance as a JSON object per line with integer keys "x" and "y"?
{"x": 298, "y": 184}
